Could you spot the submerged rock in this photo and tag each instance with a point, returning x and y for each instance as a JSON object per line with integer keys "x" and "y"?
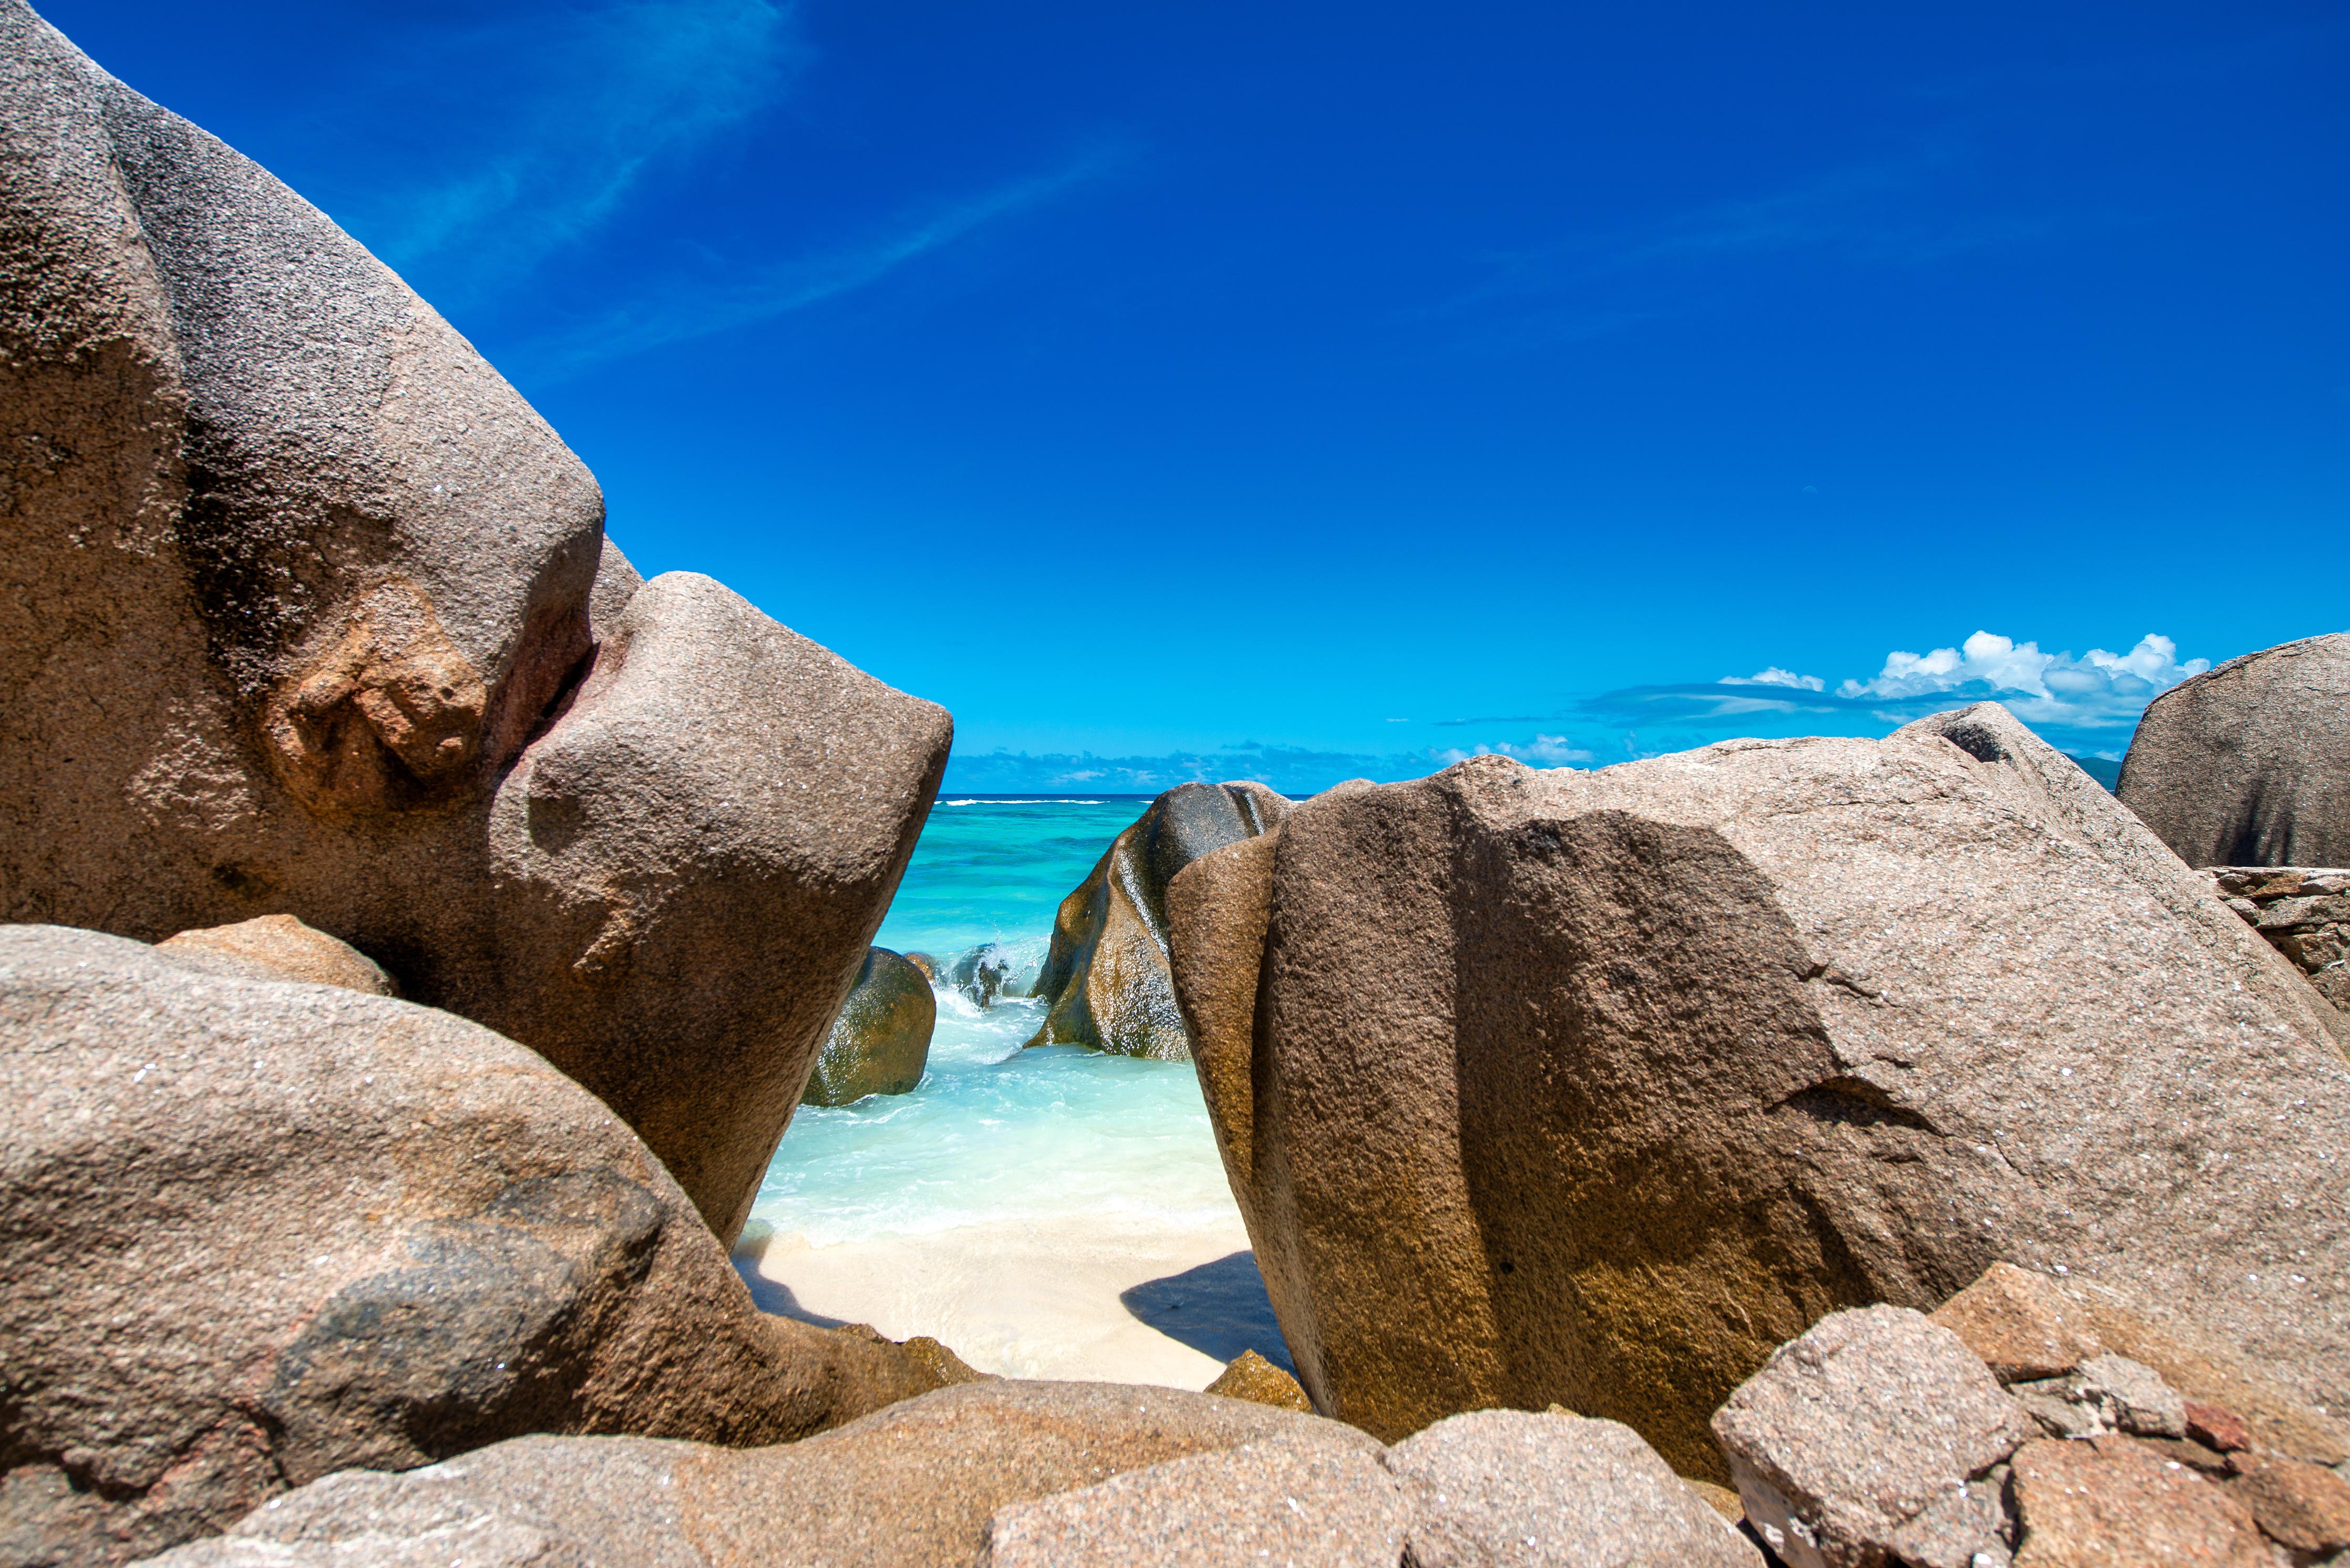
{"x": 881, "y": 1041}
{"x": 982, "y": 974}
{"x": 1105, "y": 982}
{"x": 259, "y": 1231}
{"x": 2248, "y": 764}
{"x": 916, "y": 1483}
{"x": 1596, "y": 1087}
{"x": 279, "y": 947}
{"x": 300, "y": 614}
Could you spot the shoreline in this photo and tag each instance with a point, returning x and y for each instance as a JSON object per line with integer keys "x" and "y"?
{"x": 1074, "y": 1297}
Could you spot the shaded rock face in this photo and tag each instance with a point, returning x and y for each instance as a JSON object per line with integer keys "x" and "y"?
{"x": 301, "y": 612}
{"x": 2248, "y": 764}
{"x": 279, "y": 947}
{"x": 259, "y": 1232}
{"x": 915, "y": 1483}
{"x": 881, "y": 1041}
{"x": 1596, "y": 1087}
{"x": 1105, "y": 982}
{"x": 2303, "y": 912}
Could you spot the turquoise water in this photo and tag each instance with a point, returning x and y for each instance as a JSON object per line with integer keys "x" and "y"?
{"x": 995, "y": 1132}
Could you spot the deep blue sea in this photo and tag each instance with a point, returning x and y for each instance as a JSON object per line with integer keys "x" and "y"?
{"x": 995, "y": 1132}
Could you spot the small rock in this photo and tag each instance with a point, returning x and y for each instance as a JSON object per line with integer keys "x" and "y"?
{"x": 981, "y": 974}
{"x": 2215, "y": 1428}
{"x": 1252, "y": 1377}
{"x": 2108, "y": 1503}
{"x": 1293, "y": 1503}
{"x": 2052, "y": 1405}
{"x": 1508, "y": 1489}
{"x": 925, "y": 963}
{"x": 1719, "y": 1499}
{"x": 2132, "y": 1396}
{"x": 278, "y": 947}
{"x": 2299, "y": 1506}
{"x": 2022, "y": 1324}
{"x": 1863, "y": 1437}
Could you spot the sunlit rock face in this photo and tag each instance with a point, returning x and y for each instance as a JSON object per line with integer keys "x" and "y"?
{"x": 1595, "y": 1087}
{"x": 2248, "y": 764}
{"x": 1105, "y": 982}
{"x": 300, "y": 613}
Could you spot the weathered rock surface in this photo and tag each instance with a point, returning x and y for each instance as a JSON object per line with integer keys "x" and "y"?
{"x": 1869, "y": 1439}
{"x": 260, "y": 1231}
{"x": 2109, "y": 1502}
{"x": 2248, "y": 764}
{"x": 881, "y": 1041}
{"x": 279, "y": 947}
{"x": 1596, "y": 1087}
{"x": 2303, "y": 1507}
{"x": 292, "y": 588}
{"x": 2303, "y": 912}
{"x": 1504, "y": 1489}
{"x": 1105, "y": 982}
{"x": 1312, "y": 1505}
{"x": 1252, "y": 1377}
{"x": 916, "y": 1483}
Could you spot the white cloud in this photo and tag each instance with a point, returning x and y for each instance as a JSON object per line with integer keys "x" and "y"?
{"x": 2099, "y": 688}
{"x": 1542, "y": 751}
{"x": 1774, "y": 676}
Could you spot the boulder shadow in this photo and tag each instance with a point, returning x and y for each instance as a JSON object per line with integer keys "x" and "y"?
{"x": 775, "y": 1297}
{"x": 1219, "y": 1309}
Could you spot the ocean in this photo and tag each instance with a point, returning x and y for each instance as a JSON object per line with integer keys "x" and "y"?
{"x": 993, "y": 1132}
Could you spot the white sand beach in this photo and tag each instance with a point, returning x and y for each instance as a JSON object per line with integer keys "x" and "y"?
{"x": 1105, "y": 1298}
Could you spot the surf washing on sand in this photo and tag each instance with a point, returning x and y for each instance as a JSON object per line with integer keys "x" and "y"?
{"x": 1050, "y": 1212}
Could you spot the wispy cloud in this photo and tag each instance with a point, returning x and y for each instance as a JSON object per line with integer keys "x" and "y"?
{"x": 687, "y": 307}
{"x": 591, "y": 101}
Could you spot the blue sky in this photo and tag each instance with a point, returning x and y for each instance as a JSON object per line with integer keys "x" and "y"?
{"x": 1307, "y": 390}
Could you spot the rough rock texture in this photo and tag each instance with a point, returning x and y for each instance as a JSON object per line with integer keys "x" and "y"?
{"x": 1504, "y": 1489}
{"x": 2303, "y": 1507}
{"x": 881, "y": 1041}
{"x": 291, "y": 586}
{"x": 1307, "y": 1505}
{"x": 2248, "y": 764}
{"x": 913, "y": 1484}
{"x": 2030, "y": 1327}
{"x": 1105, "y": 982}
{"x": 617, "y": 583}
{"x": 1869, "y": 1438}
{"x": 257, "y": 1231}
{"x": 2304, "y": 911}
{"x": 1252, "y": 1377}
{"x": 2110, "y": 1502}
{"x": 279, "y": 947}
{"x": 1598, "y": 1086}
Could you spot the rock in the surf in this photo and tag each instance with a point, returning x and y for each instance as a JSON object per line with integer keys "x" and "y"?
{"x": 299, "y": 614}
{"x": 1595, "y": 1087}
{"x": 2248, "y": 764}
{"x": 1510, "y": 1489}
{"x": 917, "y": 1482}
{"x": 1105, "y": 982}
{"x": 881, "y": 1041}
{"x": 279, "y": 947}
{"x": 982, "y": 974}
{"x": 925, "y": 962}
{"x": 261, "y": 1231}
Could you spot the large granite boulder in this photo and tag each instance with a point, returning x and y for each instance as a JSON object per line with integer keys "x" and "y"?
{"x": 881, "y": 1041}
{"x": 2248, "y": 764}
{"x": 1105, "y": 982}
{"x": 917, "y": 1483}
{"x": 259, "y": 1231}
{"x": 1596, "y": 1087}
{"x": 301, "y": 613}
